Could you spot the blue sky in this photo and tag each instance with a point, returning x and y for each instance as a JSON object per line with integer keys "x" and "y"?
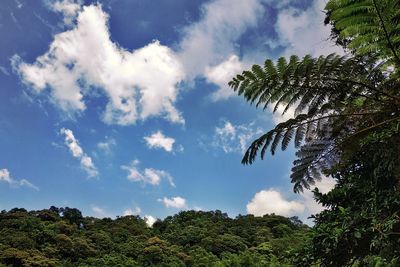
{"x": 122, "y": 107}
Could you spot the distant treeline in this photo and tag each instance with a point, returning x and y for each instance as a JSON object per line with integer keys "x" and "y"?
{"x": 63, "y": 237}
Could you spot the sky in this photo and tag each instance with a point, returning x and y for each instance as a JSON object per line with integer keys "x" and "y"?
{"x": 121, "y": 107}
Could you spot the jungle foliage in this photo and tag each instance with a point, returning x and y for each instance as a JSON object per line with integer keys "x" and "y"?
{"x": 63, "y": 237}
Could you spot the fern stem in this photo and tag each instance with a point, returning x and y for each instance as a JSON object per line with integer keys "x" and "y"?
{"x": 386, "y": 33}
{"x": 373, "y": 126}
{"x": 366, "y": 86}
{"x": 333, "y": 116}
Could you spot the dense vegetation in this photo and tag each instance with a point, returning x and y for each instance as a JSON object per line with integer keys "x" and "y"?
{"x": 63, "y": 237}
{"x": 346, "y": 126}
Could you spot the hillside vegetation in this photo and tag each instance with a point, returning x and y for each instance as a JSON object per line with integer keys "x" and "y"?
{"x": 63, "y": 237}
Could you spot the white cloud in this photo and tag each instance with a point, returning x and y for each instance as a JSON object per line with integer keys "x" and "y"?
{"x": 135, "y": 211}
{"x": 24, "y": 182}
{"x": 228, "y": 136}
{"x": 212, "y": 39}
{"x": 159, "y": 140}
{"x": 272, "y": 201}
{"x": 221, "y": 74}
{"x": 227, "y": 130}
{"x": 6, "y": 177}
{"x": 148, "y": 175}
{"x": 303, "y": 32}
{"x": 84, "y": 57}
{"x": 106, "y": 145}
{"x": 150, "y": 220}
{"x": 77, "y": 152}
{"x": 69, "y": 8}
{"x": 174, "y": 202}
{"x": 138, "y": 84}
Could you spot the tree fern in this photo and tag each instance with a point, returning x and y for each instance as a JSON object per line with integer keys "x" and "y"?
{"x": 333, "y": 97}
{"x": 370, "y": 26}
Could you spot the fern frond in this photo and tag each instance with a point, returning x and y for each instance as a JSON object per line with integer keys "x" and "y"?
{"x": 370, "y": 26}
{"x": 323, "y": 87}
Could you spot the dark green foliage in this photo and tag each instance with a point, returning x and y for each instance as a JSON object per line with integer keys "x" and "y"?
{"x": 191, "y": 238}
{"x": 370, "y": 26}
{"x": 336, "y": 101}
{"x": 346, "y": 125}
{"x": 362, "y": 223}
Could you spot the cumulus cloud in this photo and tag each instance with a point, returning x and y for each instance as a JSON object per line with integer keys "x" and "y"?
{"x": 304, "y": 205}
{"x": 272, "y": 201}
{"x": 150, "y": 220}
{"x": 221, "y": 74}
{"x": 84, "y": 57}
{"x": 82, "y": 61}
{"x": 5, "y": 176}
{"x": 159, "y": 140}
{"x": 148, "y": 175}
{"x": 174, "y": 202}
{"x": 77, "y": 152}
{"x": 228, "y": 136}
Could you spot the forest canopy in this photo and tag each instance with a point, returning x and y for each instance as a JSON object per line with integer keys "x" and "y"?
{"x": 63, "y": 237}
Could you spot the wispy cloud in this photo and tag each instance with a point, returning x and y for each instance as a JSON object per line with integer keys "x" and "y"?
{"x": 228, "y": 136}
{"x": 77, "y": 152}
{"x": 4, "y": 71}
{"x": 212, "y": 39}
{"x": 303, "y": 32}
{"x": 69, "y": 8}
{"x": 5, "y": 176}
{"x": 106, "y": 145}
